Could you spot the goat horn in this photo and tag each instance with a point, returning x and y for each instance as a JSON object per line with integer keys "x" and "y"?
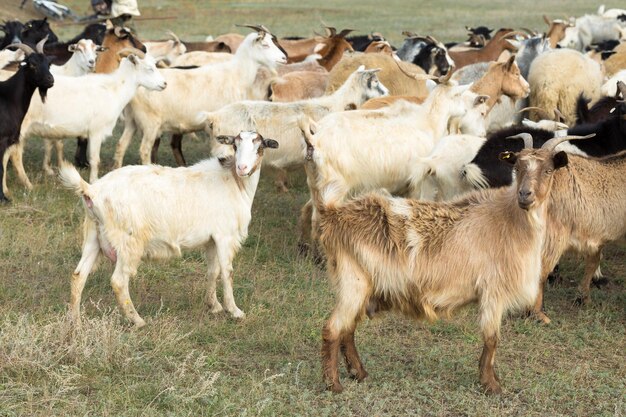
{"x": 515, "y": 33}
{"x": 409, "y": 34}
{"x": 258, "y": 28}
{"x": 27, "y": 49}
{"x": 331, "y": 31}
{"x": 542, "y": 112}
{"x": 552, "y": 143}
{"x": 173, "y": 36}
{"x": 127, "y": 51}
{"x": 40, "y": 44}
{"x": 416, "y": 76}
{"x": 558, "y": 116}
{"x": 526, "y": 137}
{"x": 530, "y": 31}
{"x": 344, "y": 32}
{"x": 444, "y": 79}
{"x": 547, "y": 19}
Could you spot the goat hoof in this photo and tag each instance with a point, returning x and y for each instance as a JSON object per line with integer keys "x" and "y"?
{"x": 139, "y": 323}
{"x": 217, "y": 308}
{"x": 581, "y": 300}
{"x": 335, "y": 388}
{"x": 238, "y": 314}
{"x": 600, "y": 282}
{"x": 492, "y": 388}
{"x": 359, "y": 376}
{"x": 49, "y": 171}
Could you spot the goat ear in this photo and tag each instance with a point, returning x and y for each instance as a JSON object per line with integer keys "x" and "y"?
{"x": 225, "y": 140}
{"x": 510, "y": 62}
{"x": 270, "y": 143}
{"x": 508, "y": 157}
{"x": 361, "y": 68}
{"x": 72, "y": 47}
{"x": 560, "y": 160}
{"x": 480, "y": 100}
{"x": 133, "y": 58}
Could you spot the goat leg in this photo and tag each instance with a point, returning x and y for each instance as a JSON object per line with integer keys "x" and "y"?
{"x": 154, "y": 153}
{"x": 330, "y": 359}
{"x": 353, "y": 361}
{"x": 177, "y": 150}
{"x": 592, "y": 262}
{"x": 488, "y": 377}
{"x": 80, "y": 157}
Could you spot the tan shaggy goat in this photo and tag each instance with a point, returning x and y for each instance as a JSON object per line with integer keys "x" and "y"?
{"x": 427, "y": 259}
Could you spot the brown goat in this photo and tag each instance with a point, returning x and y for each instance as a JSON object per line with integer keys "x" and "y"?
{"x": 116, "y": 39}
{"x": 586, "y": 211}
{"x": 490, "y": 52}
{"x": 331, "y": 47}
{"x": 426, "y": 259}
{"x": 380, "y": 102}
{"x": 298, "y": 85}
{"x": 213, "y": 46}
{"x": 380, "y": 47}
{"x": 556, "y": 30}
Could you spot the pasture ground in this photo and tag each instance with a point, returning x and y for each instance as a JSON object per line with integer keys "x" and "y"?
{"x": 187, "y": 361}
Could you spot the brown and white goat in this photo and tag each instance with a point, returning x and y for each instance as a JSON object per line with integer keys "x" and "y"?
{"x": 556, "y": 30}
{"x": 330, "y": 48}
{"x": 427, "y": 259}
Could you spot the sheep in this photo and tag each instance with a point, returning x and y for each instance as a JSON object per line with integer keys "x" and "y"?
{"x": 280, "y": 120}
{"x": 222, "y": 84}
{"x": 393, "y": 74}
{"x": 558, "y": 76}
{"x": 615, "y": 63}
{"x": 168, "y": 50}
{"x": 15, "y": 96}
{"x": 427, "y": 259}
{"x": 88, "y": 106}
{"x": 125, "y": 223}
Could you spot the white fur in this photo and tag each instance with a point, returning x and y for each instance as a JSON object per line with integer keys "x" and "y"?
{"x": 609, "y": 88}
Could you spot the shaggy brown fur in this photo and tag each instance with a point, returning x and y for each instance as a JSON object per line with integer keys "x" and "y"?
{"x": 427, "y": 259}
{"x": 586, "y": 211}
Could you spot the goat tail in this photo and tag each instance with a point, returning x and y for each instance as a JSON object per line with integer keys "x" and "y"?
{"x": 70, "y": 178}
{"x": 474, "y": 176}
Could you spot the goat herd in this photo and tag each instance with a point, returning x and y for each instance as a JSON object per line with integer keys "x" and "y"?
{"x": 429, "y": 190}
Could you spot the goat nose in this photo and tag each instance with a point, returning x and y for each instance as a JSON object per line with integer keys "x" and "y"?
{"x": 91, "y": 62}
{"x": 242, "y": 167}
{"x": 523, "y": 194}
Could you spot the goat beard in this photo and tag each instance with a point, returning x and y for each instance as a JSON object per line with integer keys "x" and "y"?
{"x": 42, "y": 93}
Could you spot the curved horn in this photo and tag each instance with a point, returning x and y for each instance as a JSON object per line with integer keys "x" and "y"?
{"x": 444, "y": 79}
{"x": 530, "y": 31}
{"x": 173, "y": 36}
{"x": 416, "y": 76}
{"x": 331, "y": 31}
{"x": 622, "y": 87}
{"x": 257, "y": 28}
{"x": 558, "y": 116}
{"x": 552, "y": 143}
{"x": 40, "y": 44}
{"x": 515, "y": 33}
{"x": 27, "y": 49}
{"x": 526, "y": 137}
{"x": 127, "y": 51}
{"x": 345, "y": 32}
{"x": 542, "y": 112}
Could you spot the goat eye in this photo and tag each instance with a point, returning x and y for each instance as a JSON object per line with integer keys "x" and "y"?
{"x": 548, "y": 171}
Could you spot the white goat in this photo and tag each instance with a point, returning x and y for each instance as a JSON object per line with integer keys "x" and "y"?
{"x": 87, "y": 106}
{"x": 280, "y": 120}
{"x": 168, "y": 50}
{"x": 201, "y": 89}
{"x": 125, "y": 222}
{"x": 591, "y": 29}
{"x": 609, "y": 88}
{"x": 83, "y": 61}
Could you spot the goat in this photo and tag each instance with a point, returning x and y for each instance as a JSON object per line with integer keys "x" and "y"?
{"x": 298, "y": 85}
{"x": 15, "y": 97}
{"x": 232, "y": 40}
{"x": 280, "y": 120}
{"x": 602, "y": 109}
{"x": 36, "y": 30}
{"x": 401, "y": 78}
{"x": 589, "y": 29}
{"x": 116, "y": 39}
{"x": 616, "y": 62}
{"x": 334, "y": 43}
{"x": 167, "y": 50}
{"x": 425, "y": 259}
{"x": 427, "y": 53}
{"x": 123, "y": 222}
{"x": 610, "y": 88}
{"x": 361, "y": 42}
{"x": 490, "y": 52}
{"x": 12, "y": 33}
{"x": 223, "y": 83}
{"x": 84, "y": 114}
{"x": 556, "y": 30}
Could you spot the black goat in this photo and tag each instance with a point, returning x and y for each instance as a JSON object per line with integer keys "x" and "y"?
{"x": 12, "y": 33}
{"x": 15, "y": 96}
{"x": 36, "y": 30}
{"x": 480, "y": 30}
{"x": 361, "y": 42}
{"x": 602, "y": 109}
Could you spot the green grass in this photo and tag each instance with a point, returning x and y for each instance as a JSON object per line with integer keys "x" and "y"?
{"x": 187, "y": 361}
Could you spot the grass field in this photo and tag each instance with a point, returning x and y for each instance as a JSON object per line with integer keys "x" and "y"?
{"x": 189, "y": 362}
